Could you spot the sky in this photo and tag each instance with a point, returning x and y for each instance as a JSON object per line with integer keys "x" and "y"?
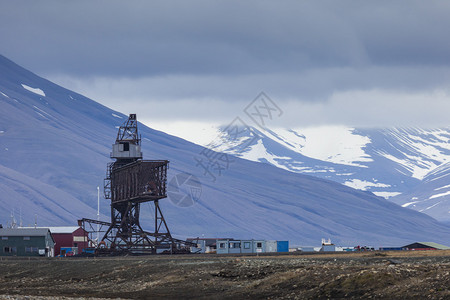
{"x": 175, "y": 63}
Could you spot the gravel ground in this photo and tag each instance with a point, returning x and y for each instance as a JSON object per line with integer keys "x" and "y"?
{"x": 376, "y": 275}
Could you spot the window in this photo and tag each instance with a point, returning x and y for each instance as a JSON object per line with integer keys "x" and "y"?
{"x": 4, "y": 238}
{"x": 80, "y": 239}
{"x": 8, "y": 249}
{"x": 259, "y": 245}
{"x": 235, "y": 245}
{"x": 124, "y": 146}
{"x": 246, "y": 245}
{"x": 222, "y": 245}
{"x": 26, "y": 238}
{"x": 75, "y": 244}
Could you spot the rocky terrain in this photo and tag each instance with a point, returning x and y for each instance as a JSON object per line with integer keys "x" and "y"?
{"x": 387, "y": 275}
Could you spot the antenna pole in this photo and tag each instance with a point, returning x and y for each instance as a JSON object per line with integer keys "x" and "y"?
{"x": 98, "y": 212}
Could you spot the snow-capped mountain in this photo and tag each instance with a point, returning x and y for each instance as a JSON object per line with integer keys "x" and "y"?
{"x": 432, "y": 195}
{"x": 386, "y": 162}
{"x": 55, "y": 144}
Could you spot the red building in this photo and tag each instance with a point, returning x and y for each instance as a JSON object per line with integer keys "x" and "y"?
{"x": 71, "y": 238}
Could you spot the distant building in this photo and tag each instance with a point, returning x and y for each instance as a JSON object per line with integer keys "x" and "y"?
{"x": 425, "y": 246}
{"x": 223, "y": 246}
{"x": 392, "y": 249}
{"x": 282, "y": 246}
{"x": 26, "y": 242}
{"x": 69, "y": 240}
{"x": 226, "y": 246}
{"x": 327, "y": 246}
{"x": 204, "y": 245}
{"x": 247, "y": 246}
{"x": 309, "y": 249}
{"x": 234, "y": 246}
{"x": 271, "y": 246}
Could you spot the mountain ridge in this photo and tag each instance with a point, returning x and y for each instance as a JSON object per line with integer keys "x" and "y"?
{"x": 388, "y": 162}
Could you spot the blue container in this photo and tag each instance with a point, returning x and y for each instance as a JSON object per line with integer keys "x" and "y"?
{"x": 282, "y": 246}
{"x": 392, "y": 249}
{"x": 89, "y": 250}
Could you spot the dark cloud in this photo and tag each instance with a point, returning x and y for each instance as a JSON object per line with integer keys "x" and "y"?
{"x": 229, "y": 51}
{"x": 198, "y": 37}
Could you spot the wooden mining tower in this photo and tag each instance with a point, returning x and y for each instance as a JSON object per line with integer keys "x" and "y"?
{"x": 129, "y": 182}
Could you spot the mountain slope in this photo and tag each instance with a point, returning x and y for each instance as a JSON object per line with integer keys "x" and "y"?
{"x": 387, "y": 162}
{"x": 432, "y": 195}
{"x": 58, "y": 144}
{"x": 31, "y": 196}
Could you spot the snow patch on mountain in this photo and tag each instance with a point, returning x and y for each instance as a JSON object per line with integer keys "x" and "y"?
{"x": 199, "y": 133}
{"x": 363, "y": 185}
{"x": 42, "y": 112}
{"x": 419, "y": 151}
{"x": 37, "y": 91}
{"x": 440, "y": 195}
{"x": 414, "y": 164}
{"x": 442, "y": 187}
{"x": 387, "y": 195}
{"x": 335, "y": 144}
{"x": 410, "y": 203}
{"x": 259, "y": 153}
{"x": 422, "y": 210}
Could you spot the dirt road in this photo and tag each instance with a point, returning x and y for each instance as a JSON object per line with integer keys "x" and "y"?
{"x": 388, "y": 275}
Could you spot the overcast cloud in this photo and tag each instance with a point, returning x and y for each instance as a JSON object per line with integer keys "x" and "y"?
{"x": 356, "y": 63}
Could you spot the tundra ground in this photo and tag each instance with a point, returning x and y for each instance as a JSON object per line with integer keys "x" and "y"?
{"x": 376, "y": 275}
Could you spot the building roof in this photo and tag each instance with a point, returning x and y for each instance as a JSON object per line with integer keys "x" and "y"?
{"x": 60, "y": 229}
{"x": 430, "y": 245}
{"x": 64, "y": 229}
{"x": 24, "y": 231}
{"x": 208, "y": 241}
{"x": 435, "y": 245}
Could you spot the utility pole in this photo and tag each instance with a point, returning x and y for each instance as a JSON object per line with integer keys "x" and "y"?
{"x": 98, "y": 213}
